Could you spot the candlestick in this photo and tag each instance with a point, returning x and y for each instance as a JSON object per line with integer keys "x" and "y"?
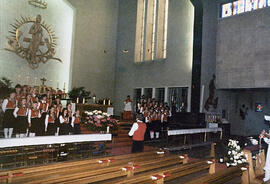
{"x": 19, "y": 79}
{"x": 94, "y": 99}
{"x": 109, "y": 102}
{"x": 104, "y": 101}
{"x": 77, "y": 100}
{"x": 83, "y": 101}
{"x": 35, "y": 81}
{"x": 108, "y": 129}
{"x": 27, "y": 80}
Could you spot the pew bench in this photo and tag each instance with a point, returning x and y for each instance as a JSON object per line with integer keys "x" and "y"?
{"x": 164, "y": 174}
{"x": 128, "y": 169}
{"x": 223, "y": 176}
{"x": 44, "y": 170}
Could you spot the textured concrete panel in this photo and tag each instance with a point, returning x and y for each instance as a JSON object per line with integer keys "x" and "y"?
{"x": 243, "y": 50}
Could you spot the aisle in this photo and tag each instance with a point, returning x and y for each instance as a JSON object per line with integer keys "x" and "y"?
{"x": 122, "y": 143}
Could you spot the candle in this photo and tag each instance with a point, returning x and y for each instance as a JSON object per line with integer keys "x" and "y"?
{"x": 19, "y": 79}
{"x": 108, "y": 129}
{"x": 109, "y": 102}
{"x": 104, "y": 101}
{"x": 57, "y": 85}
{"x": 77, "y": 101}
{"x": 83, "y": 101}
{"x": 94, "y": 99}
{"x": 35, "y": 81}
{"x": 64, "y": 85}
{"x": 27, "y": 80}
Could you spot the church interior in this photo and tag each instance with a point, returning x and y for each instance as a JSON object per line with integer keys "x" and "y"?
{"x": 135, "y": 91}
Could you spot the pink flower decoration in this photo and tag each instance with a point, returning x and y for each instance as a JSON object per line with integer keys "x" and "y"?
{"x": 108, "y": 119}
{"x": 87, "y": 117}
{"x": 104, "y": 120}
{"x": 91, "y": 122}
{"x": 96, "y": 119}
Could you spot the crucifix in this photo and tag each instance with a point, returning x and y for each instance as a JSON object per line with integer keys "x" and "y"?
{"x": 43, "y": 80}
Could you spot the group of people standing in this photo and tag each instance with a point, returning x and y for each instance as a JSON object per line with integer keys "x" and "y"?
{"x": 27, "y": 114}
{"x": 156, "y": 115}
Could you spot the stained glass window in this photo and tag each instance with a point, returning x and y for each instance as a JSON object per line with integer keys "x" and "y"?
{"x": 241, "y": 6}
{"x": 251, "y": 5}
{"x": 235, "y": 8}
{"x": 226, "y": 10}
{"x": 262, "y": 3}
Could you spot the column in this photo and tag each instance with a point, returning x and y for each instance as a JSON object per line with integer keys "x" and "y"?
{"x": 166, "y": 93}
{"x": 154, "y": 93}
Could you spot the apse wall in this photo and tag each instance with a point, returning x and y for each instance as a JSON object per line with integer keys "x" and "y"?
{"x": 243, "y": 50}
{"x": 95, "y": 46}
{"x": 59, "y": 15}
{"x": 175, "y": 71}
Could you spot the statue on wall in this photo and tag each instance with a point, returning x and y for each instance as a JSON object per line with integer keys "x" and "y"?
{"x": 211, "y": 100}
{"x": 40, "y": 47}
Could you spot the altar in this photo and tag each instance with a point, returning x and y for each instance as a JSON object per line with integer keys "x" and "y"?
{"x": 91, "y": 107}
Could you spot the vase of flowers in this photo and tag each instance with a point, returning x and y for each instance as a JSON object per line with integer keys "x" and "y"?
{"x": 99, "y": 121}
{"x": 235, "y": 154}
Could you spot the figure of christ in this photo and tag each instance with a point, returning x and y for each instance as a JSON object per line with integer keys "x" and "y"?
{"x": 35, "y": 42}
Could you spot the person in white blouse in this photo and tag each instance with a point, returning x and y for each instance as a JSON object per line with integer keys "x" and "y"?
{"x": 64, "y": 123}
{"x": 266, "y": 139}
{"x": 8, "y": 106}
{"x": 127, "y": 109}
{"x": 21, "y": 113}
{"x": 34, "y": 120}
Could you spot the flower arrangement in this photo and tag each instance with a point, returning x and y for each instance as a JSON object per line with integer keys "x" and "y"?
{"x": 235, "y": 154}
{"x": 99, "y": 121}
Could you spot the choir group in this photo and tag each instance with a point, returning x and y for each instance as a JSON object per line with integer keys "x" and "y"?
{"x": 28, "y": 114}
{"x": 156, "y": 114}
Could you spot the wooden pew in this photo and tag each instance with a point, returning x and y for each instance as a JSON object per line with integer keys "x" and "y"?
{"x": 166, "y": 174}
{"x": 41, "y": 170}
{"x": 96, "y": 175}
{"x": 85, "y": 167}
{"x": 223, "y": 176}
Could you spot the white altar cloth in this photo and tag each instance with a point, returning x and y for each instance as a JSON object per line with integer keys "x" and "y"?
{"x": 62, "y": 139}
{"x": 193, "y": 131}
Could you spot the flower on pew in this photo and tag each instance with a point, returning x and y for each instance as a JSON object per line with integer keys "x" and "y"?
{"x": 159, "y": 176}
{"x": 98, "y": 121}
{"x": 235, "y": 155}
{"x": 129, "y": 168}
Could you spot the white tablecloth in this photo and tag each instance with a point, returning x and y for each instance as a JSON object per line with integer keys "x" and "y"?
{"x": 27, "y": 141}
{"x": 193, "y": 131}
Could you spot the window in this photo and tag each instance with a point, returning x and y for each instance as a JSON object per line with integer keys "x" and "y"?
{"x": 151, "y": 30}
{"x": 241, "y": 6}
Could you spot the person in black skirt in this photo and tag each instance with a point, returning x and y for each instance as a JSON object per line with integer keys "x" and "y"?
{"x": 76, "y": 122}
{"x": 20, "y": 113}
{"x": 64, "y": 123}
{"x": 50, "y": 122}
{"x": 34, "y": 120}
{"x": 8, "y": 107}
{"x": 43, "y": 107}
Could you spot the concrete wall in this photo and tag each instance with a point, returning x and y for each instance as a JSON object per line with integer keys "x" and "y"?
{"x": 59, "y": 15}
{"x": 95, "y": 46}
{"x": 243, "y": 47}
{"x": 219, "y": 39}
{"x": 175, "y": 71}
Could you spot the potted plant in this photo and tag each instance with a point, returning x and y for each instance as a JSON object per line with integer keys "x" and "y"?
{"x": 79, "y": 92}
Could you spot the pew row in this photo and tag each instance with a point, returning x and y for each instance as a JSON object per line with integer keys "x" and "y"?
{"x": 93, "y": 175}
{"x": 45, "y": 169}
